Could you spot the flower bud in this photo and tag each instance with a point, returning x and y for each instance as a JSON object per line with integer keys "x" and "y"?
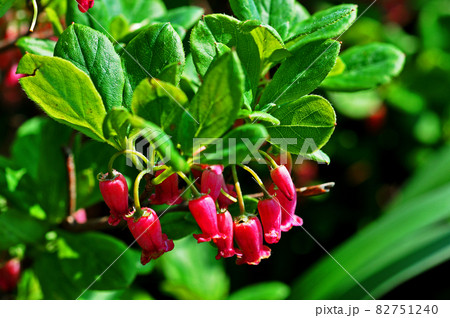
{"x": 166, "y": 192}
{"x": 249, "y": 237}
{"x": 270, "y": 213}
{"x": 147, "y": 232}
{"x": 211, "y": 183}
{"x": 9, "y": 275}
{"x": 84, "y": 5}
{"x": 282, "y": 179}
{"x": 203, "y": 210}
{"x": 225, "y": 245}
{"x": 115, "y": 194}
{"x": 288, "y": 217}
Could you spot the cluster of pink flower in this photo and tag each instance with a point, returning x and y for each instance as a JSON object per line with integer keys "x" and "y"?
{"x": 210, "y": 210}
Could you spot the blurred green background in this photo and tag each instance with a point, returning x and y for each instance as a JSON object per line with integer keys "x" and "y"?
{"x": 387, "y": 220}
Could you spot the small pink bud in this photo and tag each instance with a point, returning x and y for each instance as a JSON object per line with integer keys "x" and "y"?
{"x": 288, "y": 217}
{"x": 167, "y": 192}
{"x": 270, "y": 213}
{"x": 203, "y": 210}
{"x": 115, "y": 194}
{"x": 282, "y": 179}
{"x": 9, "y": 275}
{"x": 249, "y": 237}
{"x": 225, "y": 225}
{"x": 147, "y": 232}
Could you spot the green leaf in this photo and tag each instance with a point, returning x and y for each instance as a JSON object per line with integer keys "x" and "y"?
{"x": 38, "y": 148}
{"x": 215, "y": 107}
{"x": 64, "y": 92}
{"x": 318, "y": 156}
{"x": 215, "y": 35}
{"x": 409, "y": 238}
{"x": 178, "y": 224}
{"x": 100, "y": 16}
{"x": 17, "y": 227}
{"x": 5, "y": 5}
{"x": 258, "y": 116}
{"x": 119, "y": 27}
{"x": 300, "y": 14}
{"x": 302, "y": 73}
{"x": 68, "y": 264}
{"x": 148, "y": 53}
{"x": 356, "y": 105}
{"x": 262, "y": 291}
{"x": 28, "y": 287}
{"x": 191, "y": 272}
{"x": 94, "y": 54}
{"x": 183, "y": 16}
{"x": 236, "y": 145}
{"x": 53, "y": 17}
{"x": 276, "y": 13}
{"x": 310, "y": 120}
{"x": 120, "y": 124}
{"x": 367, "y": 66}
{"x": 42, "y": 47}
{"x": 270, "y": 45}
{"x": 322, "y": 25}
{"x": 161, "y": 103}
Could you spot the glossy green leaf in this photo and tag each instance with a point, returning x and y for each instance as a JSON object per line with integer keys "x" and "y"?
{"x": 214, "y": 108}
{"x": 310, "y": 120}
{"x": 5, "y": 5}
{"x": 161, "y": 103}
{"x": 270, "y": 45}
{"x": 178, "y": 224}
{"x": 276, "y": 13}
{"x": 94, "y": 54}
{"x": 17, "y": 227}
{"x": 64, "y": 92}
{"x": 182, "y": 16}
{"x": 148, "y": 53}
{"x": 262, "y": 291}
{"x": 326, "y": 24}
{"x": 300, "y": 14}
{"x": 410, "y": 237}
{"x": 68, "y": 264}
{"x": 191, "y": 272}
{"x": 119, "y": 27}
{"x": 366, "y": 67}
{"x": 236, "y": 146}
{"x": 318, "y": 156}
{"x": 215, "y": 35}
{"x": 36, "y": 46}
{"x": 302, "y": 73}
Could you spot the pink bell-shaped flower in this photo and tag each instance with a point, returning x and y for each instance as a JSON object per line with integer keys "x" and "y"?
{"x": 115, "y": 194}
{"x": 249, "y": 237}
{"x": 288, "y": 217}
{"x": 9, "y": 274}
{"x": 203, "y": 210}
{"x": 225, "y": 245}
{"x": 270, "y": 213}
{"x": 147, "y": 232}
{"x": 166, "y": 192}
{"x": 282, "y": 179}
{"x": 212, "y": 182}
